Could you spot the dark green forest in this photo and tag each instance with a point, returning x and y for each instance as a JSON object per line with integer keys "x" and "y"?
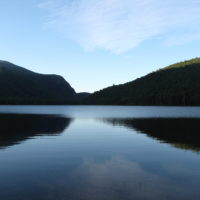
{"x": 21, "y": 86}
{"x": 177, "y": 84}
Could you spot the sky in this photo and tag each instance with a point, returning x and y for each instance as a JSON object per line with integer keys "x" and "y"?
{"x": 94, "y": 44}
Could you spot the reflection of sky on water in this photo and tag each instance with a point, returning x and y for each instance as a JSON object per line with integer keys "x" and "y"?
{"x": 107, "y": 111}
{"x": 118, "y": 179}
{"x": 85, "y": 159}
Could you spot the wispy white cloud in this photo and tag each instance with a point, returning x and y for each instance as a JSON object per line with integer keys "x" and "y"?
{"x": 119, "y": 26}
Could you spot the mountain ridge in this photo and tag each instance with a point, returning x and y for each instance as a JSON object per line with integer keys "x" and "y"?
{"x": 177, "y": 84}
{"x": 19, "y": 85}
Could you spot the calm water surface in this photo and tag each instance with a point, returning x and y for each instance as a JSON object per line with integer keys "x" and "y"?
{"x": 99, "y": 153}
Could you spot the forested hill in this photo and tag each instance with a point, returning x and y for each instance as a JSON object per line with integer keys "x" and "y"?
{"x": 21, "y": 86}
{"x": 177, "y": 84}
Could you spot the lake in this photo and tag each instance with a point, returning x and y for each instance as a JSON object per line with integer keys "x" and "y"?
{"x": 99, "y": 153}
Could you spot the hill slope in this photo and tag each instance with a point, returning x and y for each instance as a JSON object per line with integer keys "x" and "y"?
{"x": 177, "y": 84}
{"x": 21, "y": 86}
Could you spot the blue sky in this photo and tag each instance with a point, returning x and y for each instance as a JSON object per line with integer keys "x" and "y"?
{"x": 98, "y": 43}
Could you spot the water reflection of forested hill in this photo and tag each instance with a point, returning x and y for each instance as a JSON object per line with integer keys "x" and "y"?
{"x": 180, "y": 132}
{"x": 15, "y": 128}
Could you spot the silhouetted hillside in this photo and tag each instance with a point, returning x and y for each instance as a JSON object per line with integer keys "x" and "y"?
{"x": 177, "y": 84}
{"x": 21, "y": 86}
{"x": 82, "y": 95}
